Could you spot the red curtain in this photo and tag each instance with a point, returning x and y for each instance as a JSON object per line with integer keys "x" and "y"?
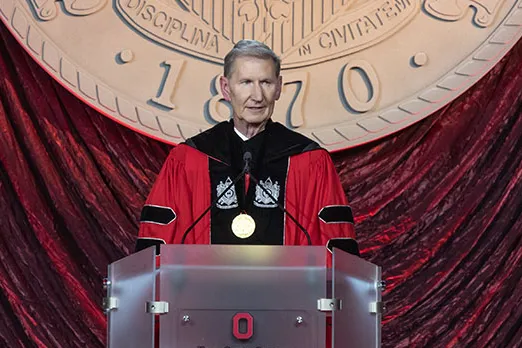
{"x": 437, "y": 205}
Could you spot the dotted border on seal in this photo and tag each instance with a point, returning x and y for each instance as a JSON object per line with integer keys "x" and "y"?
{"x": 140, "y": 118}
{"x": 87, "y": 88}
{"x": 433, "y": 97}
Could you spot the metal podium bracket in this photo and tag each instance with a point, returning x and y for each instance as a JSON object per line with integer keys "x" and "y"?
{"x": 109, "y": 303}
{"x": 377, "y": 307}
{"x": 329, "y": 304}
{"x": 157, "y": 307}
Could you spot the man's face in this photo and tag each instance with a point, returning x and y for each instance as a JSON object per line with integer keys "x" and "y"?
{"x": 252, "y": 89}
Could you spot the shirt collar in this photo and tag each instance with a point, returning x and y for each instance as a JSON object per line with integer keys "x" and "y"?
{"x": 241, "y": 135}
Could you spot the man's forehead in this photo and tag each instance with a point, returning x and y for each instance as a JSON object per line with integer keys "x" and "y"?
{"x": 242, "y": 66}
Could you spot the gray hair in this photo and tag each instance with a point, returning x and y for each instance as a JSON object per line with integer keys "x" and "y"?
{"x": 250, "y": 48}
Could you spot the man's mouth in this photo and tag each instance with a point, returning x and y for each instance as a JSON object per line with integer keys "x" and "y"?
{"x": 255, "y": 108}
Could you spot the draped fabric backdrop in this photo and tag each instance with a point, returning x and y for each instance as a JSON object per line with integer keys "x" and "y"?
{"x": 437, "y": 205}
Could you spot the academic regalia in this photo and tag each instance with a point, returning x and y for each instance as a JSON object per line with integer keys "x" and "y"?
{"x": 293, "y": 168}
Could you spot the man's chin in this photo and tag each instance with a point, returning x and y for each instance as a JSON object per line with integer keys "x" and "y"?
{"x": 255, "y": 121}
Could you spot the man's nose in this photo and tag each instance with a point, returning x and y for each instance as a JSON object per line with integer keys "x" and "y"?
{"x": 257, "y": 92}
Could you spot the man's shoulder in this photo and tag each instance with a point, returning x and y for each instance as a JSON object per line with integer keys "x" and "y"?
{"x": 286, "y": 142}
{"x": 184, "y": 152}
{"x": 213, "y": 142}
{"x": 210, "y": 136}
{"x": 289, "y": 136}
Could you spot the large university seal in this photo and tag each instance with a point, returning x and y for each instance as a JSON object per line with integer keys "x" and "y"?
{"x": 353, "y": 70}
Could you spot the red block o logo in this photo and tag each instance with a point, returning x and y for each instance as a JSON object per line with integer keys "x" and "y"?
{"x": 246, "y": 331}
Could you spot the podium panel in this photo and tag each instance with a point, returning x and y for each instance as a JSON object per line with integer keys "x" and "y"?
{"x": 217, "y": 296}
{"x": 132, "y": 285}
{"x": 248, "y": 296}
{"x": 355, "y": 283}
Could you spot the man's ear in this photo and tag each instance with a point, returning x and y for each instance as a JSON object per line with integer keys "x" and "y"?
{"x": 279, "y": 87}
{"x": 225, "y": 87}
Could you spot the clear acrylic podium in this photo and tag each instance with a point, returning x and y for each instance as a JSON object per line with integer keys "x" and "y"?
{"x": 218, "y": 296}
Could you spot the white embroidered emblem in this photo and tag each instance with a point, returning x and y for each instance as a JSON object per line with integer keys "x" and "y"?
{"x": 229, "y": 199}
{"x": 262, "y": 199}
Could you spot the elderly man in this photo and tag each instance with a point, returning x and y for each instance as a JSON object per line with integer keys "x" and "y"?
{"x": 249, "y": 180}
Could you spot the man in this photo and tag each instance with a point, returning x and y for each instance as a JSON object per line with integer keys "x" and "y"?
{"x": 247, "y": 171}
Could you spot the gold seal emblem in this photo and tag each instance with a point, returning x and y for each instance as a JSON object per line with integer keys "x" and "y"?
{"x": 243, "y": 226}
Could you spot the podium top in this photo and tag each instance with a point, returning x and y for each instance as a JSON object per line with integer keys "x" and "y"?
{"x": 243, "y": 256}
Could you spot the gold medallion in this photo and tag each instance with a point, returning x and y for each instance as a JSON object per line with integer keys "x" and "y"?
{"x": 243, "y": 226}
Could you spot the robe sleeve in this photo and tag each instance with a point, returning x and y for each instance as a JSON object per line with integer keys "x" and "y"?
{"x": 317, "y": 198}
{"x": 175, "y": 200}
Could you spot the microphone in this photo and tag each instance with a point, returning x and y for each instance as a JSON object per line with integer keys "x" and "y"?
{"x": 247, "y": 158}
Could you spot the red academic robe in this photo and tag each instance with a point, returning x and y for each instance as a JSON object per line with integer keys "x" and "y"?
{"x": 312, "y": 188}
